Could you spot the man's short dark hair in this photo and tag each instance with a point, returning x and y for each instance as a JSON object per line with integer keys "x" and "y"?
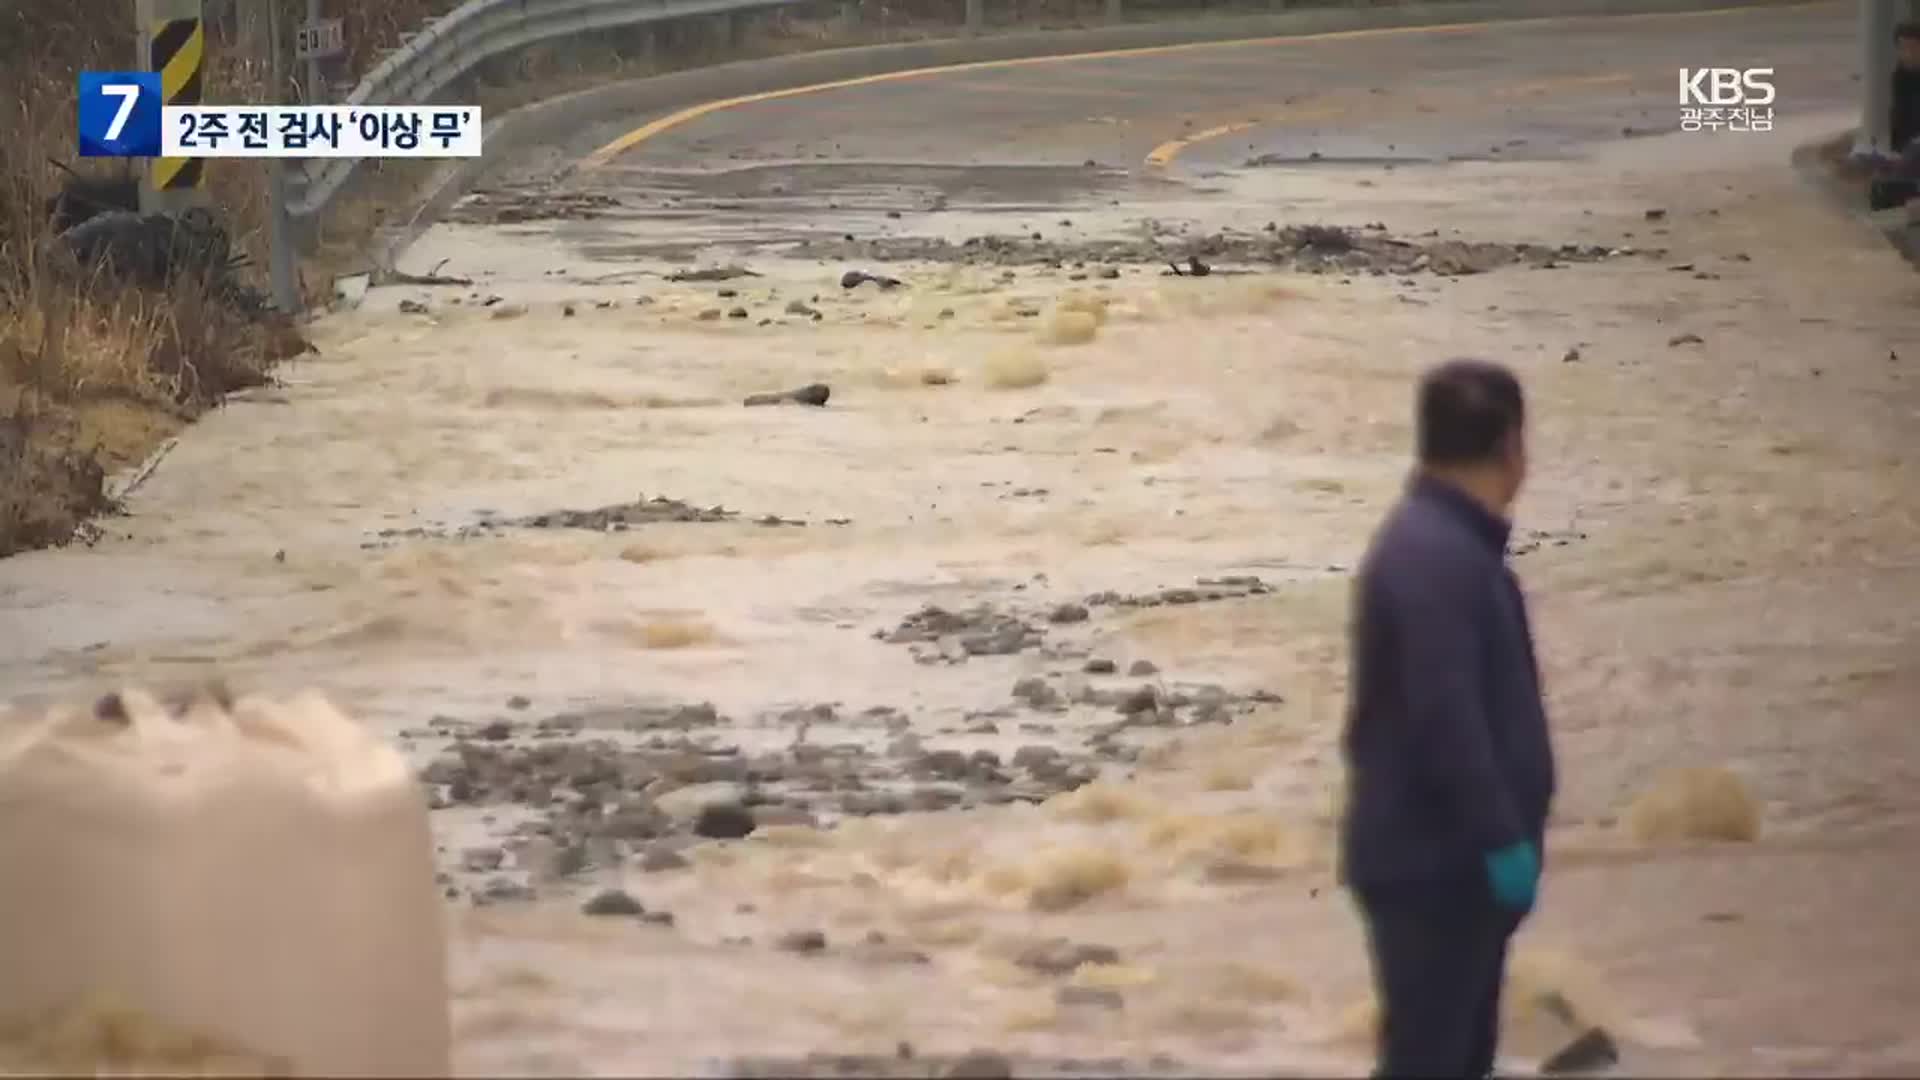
{"x": 1466, "y": 410}
{"x": 1907, "y": 31}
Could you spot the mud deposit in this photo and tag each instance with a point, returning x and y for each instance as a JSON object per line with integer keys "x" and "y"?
{"x": 1311, "y": 249}
{"x": 621, "y": 517}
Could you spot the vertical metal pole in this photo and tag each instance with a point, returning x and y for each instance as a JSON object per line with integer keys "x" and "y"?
{"x": 173, "y": 44}
{"x": 976, "y": 15}
{"x": 1877, "y": 19}
{"x": 316, "y": 91}
{"x": 285, "y": 295}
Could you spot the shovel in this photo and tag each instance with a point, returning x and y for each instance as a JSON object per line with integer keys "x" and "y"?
{"x": 1590, "y": 1051}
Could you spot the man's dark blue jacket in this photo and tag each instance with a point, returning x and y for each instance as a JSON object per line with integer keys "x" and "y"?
{"x": 1447, "y": 747}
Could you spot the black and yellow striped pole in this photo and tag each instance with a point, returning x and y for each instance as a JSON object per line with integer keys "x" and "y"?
{"x": 174, "y": 38}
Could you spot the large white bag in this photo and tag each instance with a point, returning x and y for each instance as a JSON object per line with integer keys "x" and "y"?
{"x": 259, "y": 872}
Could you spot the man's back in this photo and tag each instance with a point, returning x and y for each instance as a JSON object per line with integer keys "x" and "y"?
{"x": 1447, "y": 745}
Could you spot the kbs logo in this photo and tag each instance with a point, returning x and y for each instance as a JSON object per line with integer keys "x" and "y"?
{"x": 1731, "y": 99}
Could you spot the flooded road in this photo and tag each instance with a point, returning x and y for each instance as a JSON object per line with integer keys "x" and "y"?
{"x": 1079, "y": 813}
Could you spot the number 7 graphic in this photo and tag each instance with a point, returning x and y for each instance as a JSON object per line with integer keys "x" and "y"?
{"x": 120, "y": 113}
{"x": 129, "y": 95}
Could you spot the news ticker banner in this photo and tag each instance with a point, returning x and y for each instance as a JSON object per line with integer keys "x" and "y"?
{"x": 123, "y": 114}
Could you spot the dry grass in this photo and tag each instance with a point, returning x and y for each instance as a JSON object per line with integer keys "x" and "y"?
{"x": 93, "y": 374}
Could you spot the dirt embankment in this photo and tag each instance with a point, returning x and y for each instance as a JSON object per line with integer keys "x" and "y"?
{"x": 95, "y": 373}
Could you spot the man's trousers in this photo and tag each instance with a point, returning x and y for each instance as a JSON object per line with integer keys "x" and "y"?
{"x": 1439, "y": 958}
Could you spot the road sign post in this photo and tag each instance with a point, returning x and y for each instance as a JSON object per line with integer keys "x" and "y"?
{"x": 174, "y": 46}
{"x": 319, "y": 39}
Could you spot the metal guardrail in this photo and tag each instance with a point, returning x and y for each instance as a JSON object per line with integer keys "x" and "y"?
{"x": 469, "y": 35}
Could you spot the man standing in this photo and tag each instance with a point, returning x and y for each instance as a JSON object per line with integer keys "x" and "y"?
{"x": 1450, "y": 766}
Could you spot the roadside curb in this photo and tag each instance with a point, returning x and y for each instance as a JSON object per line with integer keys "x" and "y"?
{"x": 1814, "y": 162}
{"x": 546, "y": 122}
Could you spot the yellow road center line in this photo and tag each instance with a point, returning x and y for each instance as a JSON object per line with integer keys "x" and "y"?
{"x": 673, "y": 120}
{"x": 1164, "y": 154}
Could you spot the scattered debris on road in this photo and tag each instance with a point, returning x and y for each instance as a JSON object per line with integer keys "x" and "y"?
{"x": 717, "y": 273}
{"x": 814, "y": 394}
{"x": 485, "y": 207}
{"x": 853, "y": 279}
{"x": 1314, "y": 249}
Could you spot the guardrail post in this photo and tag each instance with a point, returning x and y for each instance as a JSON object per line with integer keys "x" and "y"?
{"x": 849, "y": 16}
{"x": 976, "y": 15}
{"x": 286, "y": 296}
{"x": 1113, "y": 11}
{"x": 1877, "y": 19}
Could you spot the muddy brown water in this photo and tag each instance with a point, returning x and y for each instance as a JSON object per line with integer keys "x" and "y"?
{"x": 1719, "y": 536}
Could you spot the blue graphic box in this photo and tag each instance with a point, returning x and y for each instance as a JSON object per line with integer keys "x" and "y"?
{"x": 120, "y": 114}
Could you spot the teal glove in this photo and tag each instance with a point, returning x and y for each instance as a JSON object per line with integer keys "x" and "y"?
{"x": 1514, "y": 874}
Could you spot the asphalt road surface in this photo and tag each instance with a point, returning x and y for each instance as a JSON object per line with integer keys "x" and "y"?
{"x": 1161, "y": 126}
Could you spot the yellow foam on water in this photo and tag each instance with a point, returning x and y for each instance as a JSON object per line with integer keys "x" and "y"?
{"x": 1208, "y": 1017}
{"x": 1013, "y": 369}
{"x": 1694, "y": 804}
{"x": 673, "y": 632}
{"x": 1101, "y": 803}
{"x": 102, "y": 1034}
{"x": 791, "y": 836}
{"x": 1035, "y": 1013}
{"x": 1258, "y": 984}
{"x": 951, "y": 865}
{"x": 1064, "y": 327}
{"x": 1005, "y": 880}
{"x": 1229, "y": 776}
{"x": 1245, "y": 835}
{"x": 1114, "y": 976}
{"x": 950, "y": 934}
{"x": 1066, "y": 878}
{"x": 1096, "y": 306}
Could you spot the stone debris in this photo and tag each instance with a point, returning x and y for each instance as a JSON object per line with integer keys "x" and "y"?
{"x": 853, "y": 279}
{"x": 1059, "y": 956}
{"x": 1314, "y": 249}
{"x": 717, "y": 273}
{"x": 608, "y": 801}
{"x": 1204, "y": 591}
{"x": 613, "y": 902}
{"x": 942, "y": 636}
{"x": 815, "y": 394}
{"x": 491, "y": 207}
{"x": 616, "y": 518}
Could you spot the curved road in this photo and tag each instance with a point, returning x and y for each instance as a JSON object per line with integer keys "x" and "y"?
{"x": 1020, "y": 136}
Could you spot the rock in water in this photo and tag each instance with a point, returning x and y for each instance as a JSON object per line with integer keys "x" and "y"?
{"x": 801, "y": 941}
{"x": 724, "y": 821}
{"x": 815, "y": 394}
{"x": 613, "y": 902}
